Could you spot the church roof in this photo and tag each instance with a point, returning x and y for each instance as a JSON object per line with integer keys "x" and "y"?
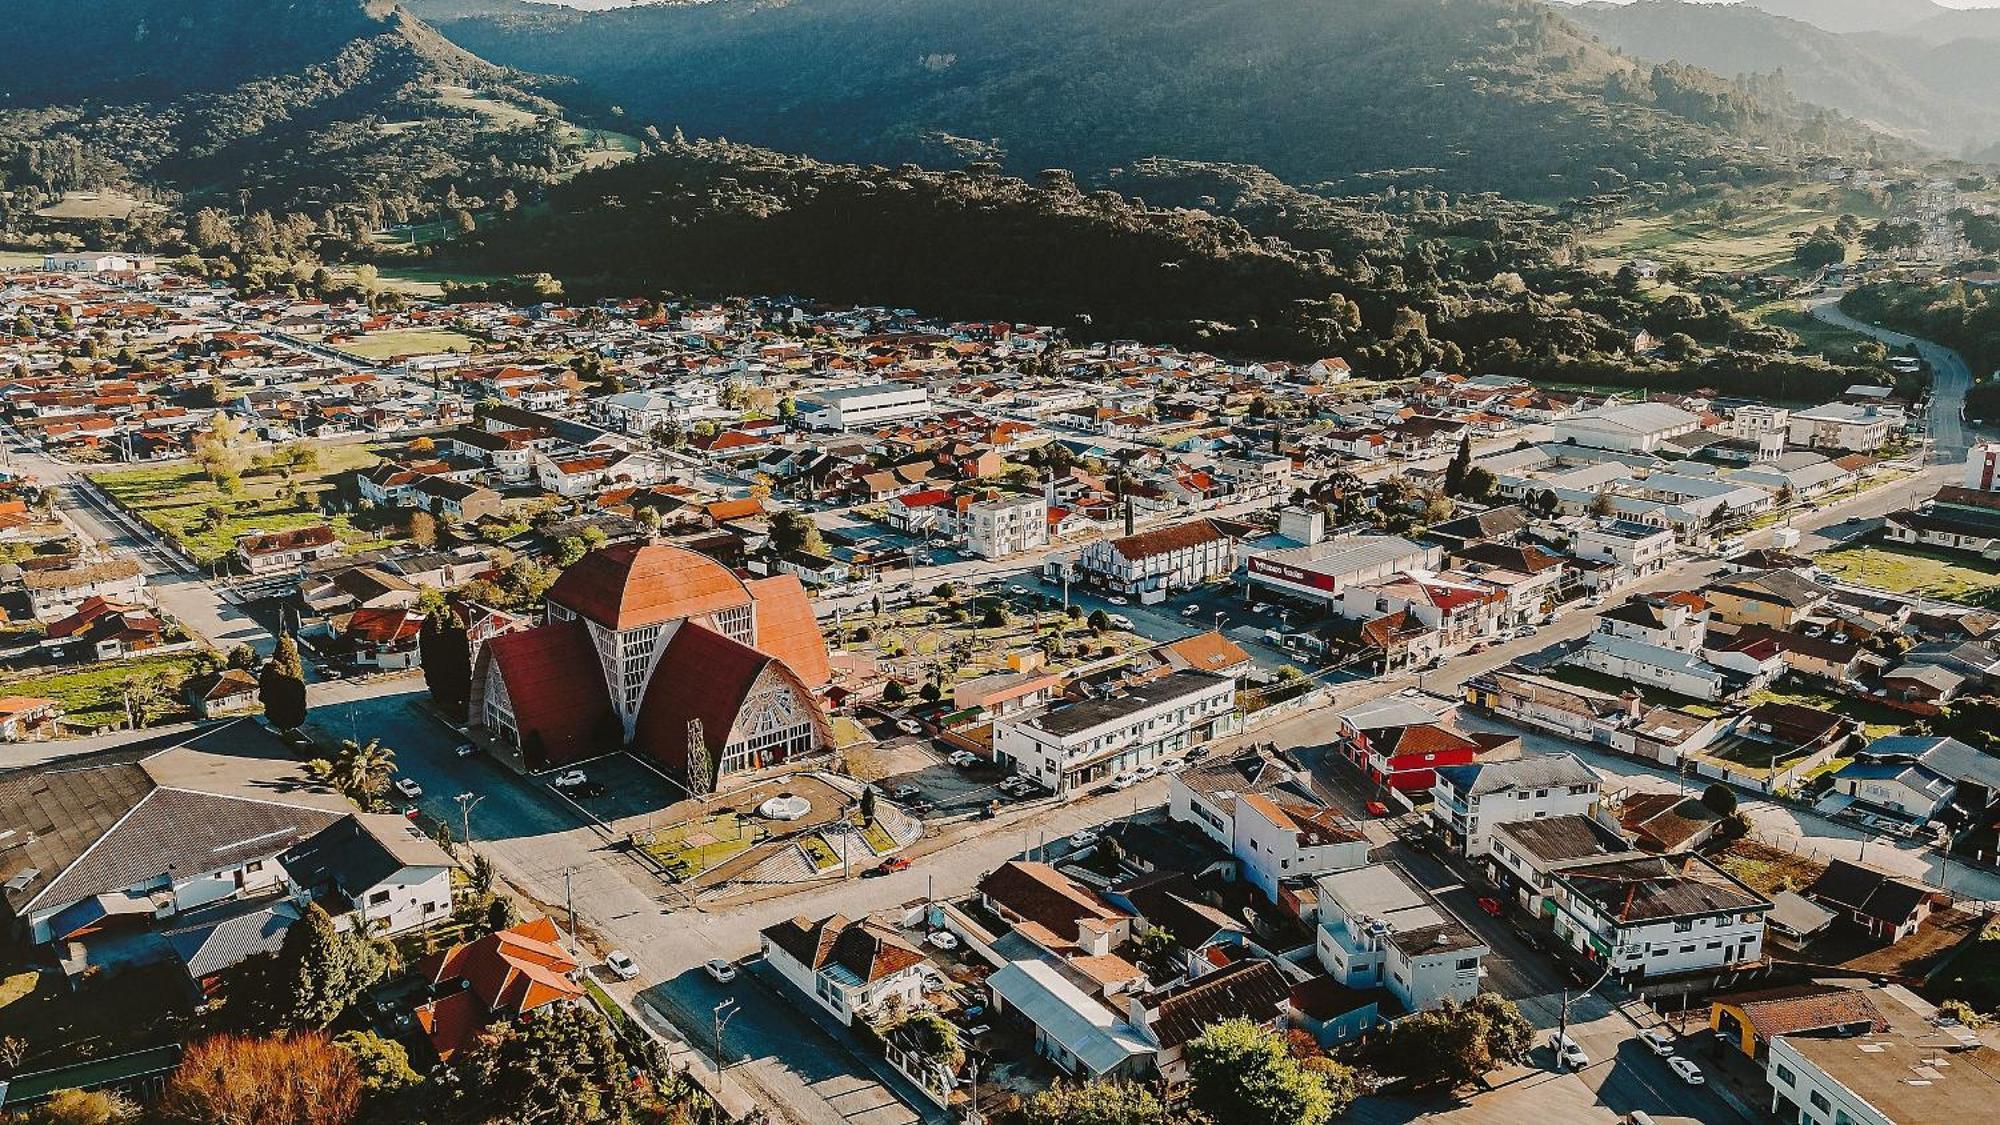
{"x": 629, "y": 585}
{"x": 787, "y": 629}
{"x": 556, "y": 688}
{"x": 702, "y": 675}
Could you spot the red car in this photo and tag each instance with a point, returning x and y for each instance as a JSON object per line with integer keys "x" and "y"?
{"x": 1376, "y": 808}
{"x": 892, "y": 865}
{"x": 1493, "y": 906}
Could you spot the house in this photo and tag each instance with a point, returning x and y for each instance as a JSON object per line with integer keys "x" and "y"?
{"x": 1205, "y": 794}
{"x": 1207, "y": 652}
{"x": 102, "y": 629}
{"x": 1005, "y": 693}
{"x": 1654, "y": 916}
{"x": 1777, "y": 599}
{"x": 1749, "y": 1021}
{"x": 1920, "y": 778}
{"x": 1526, "y": 854}
{"x": 56, "y": 593}
{"x": 500, "y": 977}
{"x": 1250, "y": 989}
{"x": 376, "y": 873}
{"x": 1275, "y": 841}
{"x": 1055, "y": 913}
{"x": 1379, "y": 928}
{"x": 1666, "y": 822}
{"x": 1887, "y": 907}
{"x": 1152, "y": 564}
{"x": 1639, "y": 428}
{"x": 278, "y": 552}
{"x": 1845, "y": 426}
{"x": 384, "y": 638}
{"x": 1638, "y": 662}
{"x": 1401, "y": 743}
{"x": 1077, "y": 744}
{"x": 1076, "y": 1032}
{"x": 850, "y": 967}
{"x": 1469, "y": 801}
{"x": 26, "y": 718}
{"x": 456, "y": 500}
{"x": 1676, "y": 621}
{"x": 230, "y": 691}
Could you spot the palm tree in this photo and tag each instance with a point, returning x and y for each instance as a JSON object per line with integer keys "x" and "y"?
{"x": 360, "y": 772}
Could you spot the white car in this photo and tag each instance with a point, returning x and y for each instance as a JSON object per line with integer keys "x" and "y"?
{"x": 1082, "y": 838}
{"x": 1146, "y": 773}
{"x": 722, "y": 971}
{"x": 1659, "y": 1042}
{"x": 1261, "y": 607}
{"x": 621, "y": 964}
{"x": 1570, "y": 1052}
{"x": 1191, "y": 611}
{"x": 963, "y": 759}
{"x": 1124, "y": 781}
{"x": 466, "y": 749}
{"x": 1119, "y": 599}
{"x": 1173, "y": 765}
{"x": 1120, "y": 621}
{"x": 409, "y": 788}
{"x": 1018, "y": 591}
{"x": 1690, "y": 1073}
{"x": 909, "y": 726}
{"x": 942, "y": 939}
{"x": 571, "y": 780}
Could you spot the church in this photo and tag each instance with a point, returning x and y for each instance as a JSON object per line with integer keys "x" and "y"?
{"x": 649, "y": 646}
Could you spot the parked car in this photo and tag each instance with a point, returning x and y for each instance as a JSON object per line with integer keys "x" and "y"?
{"x": 408, "y": 787}
{"x": 570, "y": 780}
{"x": 963, "y": 759}
{"x": 723, "y": 971}
{"x": 1493, "y": 906}
{"x": 1119, "y": 599}
{"x": 904, "y": 792}
{"x": 909, "y": 726}
{"x": 1120, "y": 621}
{"x": 467, "y": 749}
{"x": 942, "y": 939}
{"x": 1124, "y": 781}
{"x": 1569, "y": 1052}
{"x": 1018, "y": 591}
{"x": 1689, "y": 1073}
{"x": 1146, "y": 773}
{"x": 1261, "y": 607}
{"x": 1190, "y": 611}
{"x": 1657, "y": 1041}
{"x": 1376, "y": 808}
{"x": 889, "y": 866}
{"x": 621, "y": 964}
{"x": 1082, "y": 838}
{"x": 1173, "y": 765}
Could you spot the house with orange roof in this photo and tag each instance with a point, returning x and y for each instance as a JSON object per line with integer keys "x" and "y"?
{"x": 848, "y": 966}
{"x": 501, "y": 977}
{"x": 1053, "y": 911}
{"x": 24, "y": 718}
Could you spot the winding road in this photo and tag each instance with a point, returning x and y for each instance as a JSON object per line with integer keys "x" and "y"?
{"x": 1951, "y": 377}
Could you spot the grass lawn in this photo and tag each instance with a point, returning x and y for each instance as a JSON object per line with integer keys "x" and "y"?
{"x": 94, "y": 695}
{"x": 1758, "y": 238}
{"x": 175, "y": 499}
{"x": 406, "y": 341}
{"x": 619, "y": 1018}
{"x": 18, "y": 259}
{"x": 96, "y": 205}
{"x": 1917, "y": 570}
{"x": 819, "y": 853}
{"x": 1876, "y": 720}
{"x": 1833, "y": 342}
{"x": 700, "y": 846}
{"x": 129, "y": 1012}
{"x": 419, "y": 282}
{"x": 1611, "y": 685}
{"x": 878, "y": 838}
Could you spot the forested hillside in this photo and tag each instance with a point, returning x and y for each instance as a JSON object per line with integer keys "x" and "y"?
{"x": 1484, "y": 94}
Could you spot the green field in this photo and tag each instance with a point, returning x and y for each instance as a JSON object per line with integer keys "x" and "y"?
{"x": 407, "y": 341}
{"x": 1757, "y": 238}
{"x": 94, "y": 696}
{"x": 175, "y": 500}
{"x": 419, "y": 282}
{"x": 1875, "y": 719}
{"x": 96, "y": 205}
{"x": 19, "y": 259}
{"x": 1916, "y": 570}
{"x": 1834, "y": 343}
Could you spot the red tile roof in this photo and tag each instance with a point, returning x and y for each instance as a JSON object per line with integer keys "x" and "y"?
{"x": 869, "y": 950}
{"x": 507, "y": 973}
{"x": 555, "y": 683}
{"x": 787, "y": 629}
{"x": 704, "y": 675}
{"x": 630, "y": 585}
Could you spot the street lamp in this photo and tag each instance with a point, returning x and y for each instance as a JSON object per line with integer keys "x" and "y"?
{"x": 723, "y": 1012}
{"x": 465, "y": 803}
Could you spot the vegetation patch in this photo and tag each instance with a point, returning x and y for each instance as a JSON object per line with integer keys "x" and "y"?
{"x": 1766, "y": 869}
{"x": 94, "y": 696}
{"x": 407, "y": 341}
{"x": 1917, "y": 570}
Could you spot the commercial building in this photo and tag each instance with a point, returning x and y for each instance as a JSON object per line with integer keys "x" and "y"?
{"x": 1655, "y": 916}
{"x": 1469, "y": 801}
{"x": 1982, "y": 467}
{"x": 1081, "y": 743}
{"x": 1318, "y": 572}
{"x": 860, "y": 408}
{"x": 849, "y": 967}
{"x": 1150, "y": 565}
{"x": 1909, "y": 1074}
{"x": 1639, "y": 428}
{"x": 1006, "y": 526}
{"x": 1847, "y": 426}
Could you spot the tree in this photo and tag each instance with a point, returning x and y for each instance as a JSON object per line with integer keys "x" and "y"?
{"x": 1098, "y": 1103}
{"x": 300, "y": 1079}
{"x": 894, "y": 692}
{"x": 561, "y": 1068}
{"x": 76, "y": 1107}
{"x": 384, "y": 1063}
{"x": 325, "y": 969}
{"x": 1238, "y": 1071}
{"x": 423, "y": 528}
{"x": 567, "y": 550}
{"x": 359, "y": 770}
{"x": 1720, "y": 799}
{"x": 1459, "y": 465}
{"x": 932, "y": 1038}
{"x": 446, "y": 656}
{"x": 1100, "y": 621}
{"x": 867, "y": 805}
{"x": 794, "y": 533}
{"x": 1457, "y": 1043}
{"x": 282, "y": 687}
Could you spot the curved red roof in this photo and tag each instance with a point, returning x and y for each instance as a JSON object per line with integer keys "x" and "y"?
{"x": 630, "y": 584}
{"x": 703, "y": 675}
{"x": 787, "y": 629}
{"x": 556, "y": 687}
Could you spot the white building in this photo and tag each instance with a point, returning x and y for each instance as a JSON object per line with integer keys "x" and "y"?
{"x": 1468, "y": 801}
{"x": 1912, "y": 1073}
{"x": 1639, "y": 548}
{"x": 1379, "y": 929}
{"x": 1655, "y": 916}
{"x": 1982, "y": 467}
{"x": 1640, "y": 662}
{"x": 1152, "y": 564}
{"x": 860, "y": 408}
{"x": 1848, "y": 426}
{"x": 1275, "y": 841}
{"x": 1078, "y": 744}
{"x": 91, "y": 262}
{"x": 1006, "y": 526}
{"x": 1320, "y": 571}
{"x": 1638, "y": 428}
{"x": 375, "y": 872}
{"x": 1757, "y": 419}
{"x": 849, "y": 967}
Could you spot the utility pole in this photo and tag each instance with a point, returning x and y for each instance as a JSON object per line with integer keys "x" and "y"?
{"x": 465, "y": 803}
{"x": 569, "y": 909}
{"x": 723, "y": 1011}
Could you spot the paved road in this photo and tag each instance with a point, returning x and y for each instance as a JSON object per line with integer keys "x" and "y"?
{"x": 1950, "y": 377}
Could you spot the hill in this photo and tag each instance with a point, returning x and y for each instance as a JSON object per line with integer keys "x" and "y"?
{"x": 304, "y": 106}
{"x": 1919, "y": 90}
{"x": 1841, "y": 16}
{"x": 1496, "y": 94}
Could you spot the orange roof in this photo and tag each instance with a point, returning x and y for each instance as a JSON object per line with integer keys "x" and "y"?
{"x": 723, "y": 511}
{"x": 630, "y": 585}
{"x": 1209, "y": 652}
{"x": 507, "y": 973}
{"x": 787, "y": 629}
{"x": 555, "y": 685}
{"x": 704, "y": 676}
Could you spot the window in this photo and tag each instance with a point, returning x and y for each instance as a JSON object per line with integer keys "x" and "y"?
{"x": 1684, "y": 926}
{"x": 1687, "y": 949}
{"x": 1467, "y": 964}
{"x": 1785, "y": 1075}
{"x": 378, "y": 898}
{"x": 253, "y": 867}
{"x": 1819, "y": 1101}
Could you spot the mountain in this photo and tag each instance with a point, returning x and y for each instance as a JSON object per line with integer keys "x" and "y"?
{"x": 1841, "y": 16}
{"x": 1904, "y": 85}
{"x": 303, "y": 104}
{"x": 1485, "y": 94}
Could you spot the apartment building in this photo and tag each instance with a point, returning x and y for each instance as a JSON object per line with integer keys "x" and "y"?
{"x": 1468, "y": 801}
{"x": 1076, "y": 745}
{"x": 1380, "y": 929}
{"x": 1655, "y": 916}
{"x": 1006, "y": 526}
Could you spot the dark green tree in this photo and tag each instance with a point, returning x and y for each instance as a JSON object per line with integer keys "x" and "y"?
{"x": 282, "y": 687}
{"x": 1238, "y": 1071}
{"x": 326, "y": 970}
{"x": 446, "y": 655}
{"x": 1099, "y": 1103}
